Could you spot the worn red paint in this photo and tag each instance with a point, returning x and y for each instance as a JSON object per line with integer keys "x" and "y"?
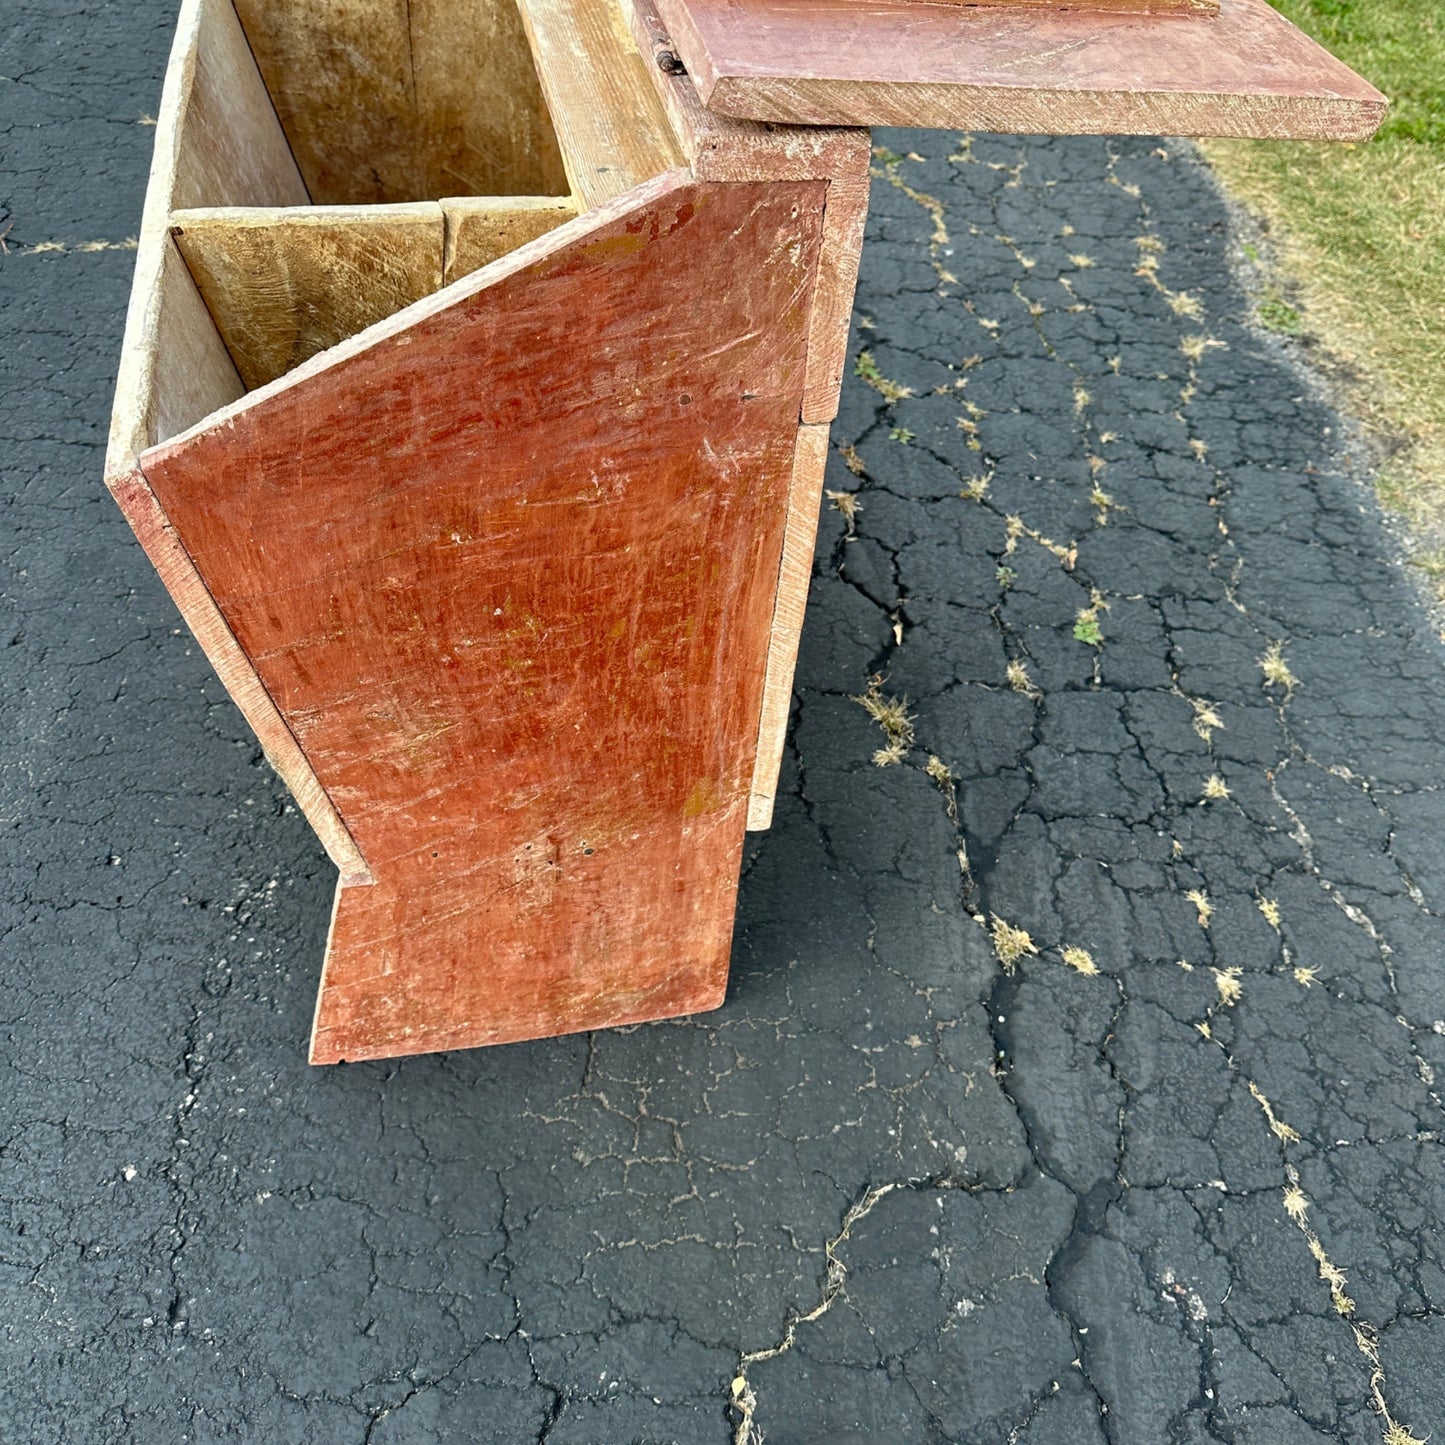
{"x": 508, "y": 575}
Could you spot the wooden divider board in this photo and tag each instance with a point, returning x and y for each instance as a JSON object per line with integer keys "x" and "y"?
{"x": 282, "y": 285}
{"x": 507, "y": 565}
{"x": 1243, "y": 72}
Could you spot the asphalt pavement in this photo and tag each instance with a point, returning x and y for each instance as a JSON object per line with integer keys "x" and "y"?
{"x": 1079, "y": 1077}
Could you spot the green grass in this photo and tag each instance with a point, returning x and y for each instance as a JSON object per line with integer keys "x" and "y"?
{"x": 1361, "y": 234}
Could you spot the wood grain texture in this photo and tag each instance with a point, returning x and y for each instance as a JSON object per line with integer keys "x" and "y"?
{"x": 844, "y": 218}
{"x": 480, "y": 229}
{"x": 1244, "y": 72}
{"x": 405, "y": 100}
{"x": 175, "y": 568}
{"x": 723, "y": 148}
{"x": 795, "y": 572}
{"x": 282, "y": 285}
{"x": 611, "y": 126}
{"x": 231, "y": 149}
{"x": 1104, "y": 7}
{"x": 174, "y": 370}
{"x": 507, "y": 564}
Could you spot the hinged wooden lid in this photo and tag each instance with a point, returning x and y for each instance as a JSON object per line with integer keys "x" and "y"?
{"x": 1243, "y": 72}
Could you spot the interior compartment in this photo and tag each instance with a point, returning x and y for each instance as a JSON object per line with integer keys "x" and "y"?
{"x": 405, "y": 100}
{"x": 391, "y": 147}
{"x": 338, "y": 162}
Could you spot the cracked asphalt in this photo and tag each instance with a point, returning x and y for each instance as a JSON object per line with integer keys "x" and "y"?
{"x": 1078, "y": 1080}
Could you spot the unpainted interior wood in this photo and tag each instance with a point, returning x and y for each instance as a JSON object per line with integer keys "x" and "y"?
{"x": 282, "y": 285}
{"x": 480, "y": 229}
{"x": 406, "y": 100}
{"x": 611, "y": 124}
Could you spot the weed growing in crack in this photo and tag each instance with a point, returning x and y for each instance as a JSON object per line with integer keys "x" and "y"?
{"x": 1009, "y": 943}
{"x": 1202, "y": 906}
{"x": 1215, "y": 788}
{"x": 1086, "y": 628}
{"x": 1306, "y": 977}
{"x": 1019, "y": 679}
{"x": 1276, "y": 669}
{"x": 848, "y": 505}
{"x": 1080, "y": 960}
{"x": 866, "y": 369}
{"x": 1227, "y": 981}
{"x": 939, "y": 771}
{"x": 1270, "y": 909}
{"x": 892, "y": 715}
{"x": 901, "y": 434}
{"x": 1281, "y": 1131}
{"x": 1101, "y": 502}
{"x": 1207, "y": 720}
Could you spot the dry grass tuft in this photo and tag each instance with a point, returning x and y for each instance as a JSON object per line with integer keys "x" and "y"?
{"x": 1019, "y": 679}
{"x": 1215, "y": 788}
{"x": 1200, "y": 899}
{"x": 892, "y": 715}
{"x": 1270, "y": 909}
{"x": 1278, "y": 1127}
{"x": 849, "y": 506}
{"x": 1009, "y": 943}
{"x": 1207, "y": 720}
{"x": 941, "y": 774}
{"x": 1276, "y": 669}
{"x": 1080, "y": 960}
{"x": 1227, "y": 981}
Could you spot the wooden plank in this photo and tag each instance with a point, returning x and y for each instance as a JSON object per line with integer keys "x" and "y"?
{"x": 283, "y": 285}
{"x": 805, "y": 500}
{"x": 405, "y": 100}
{"x": 1245, "y": 72}
{"x": 611, "y": 125}
{"x": 480, "y": 229}
{"x": 723, "y": 148}
{"x": 1101, "y": 7}
{"x": 232, "y": 151}
{"x": 507, "y": 564}
{"x": 173, "y": 371}
{"x": 844, "y": 218}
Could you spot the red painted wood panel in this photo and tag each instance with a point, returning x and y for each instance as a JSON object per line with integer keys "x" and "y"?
{"x": 1245, "y": 71}
{"x": 508, "y": 574}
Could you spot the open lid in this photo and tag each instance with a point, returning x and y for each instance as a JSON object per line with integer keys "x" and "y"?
{"x": 1243, "y": 71}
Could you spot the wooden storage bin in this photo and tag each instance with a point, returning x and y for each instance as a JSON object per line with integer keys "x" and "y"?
{"x": 474, "y": 406}
{"x": 467, "y": 426}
